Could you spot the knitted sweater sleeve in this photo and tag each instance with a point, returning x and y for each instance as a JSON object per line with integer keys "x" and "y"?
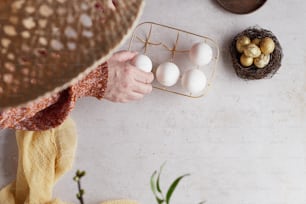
{"x": 50, "y": 112}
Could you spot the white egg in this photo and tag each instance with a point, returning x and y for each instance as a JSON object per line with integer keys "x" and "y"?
{"x": 167, "y": 74}
{"x": 194, "y": 81}
{"x": 201, "y": 54}
{"x": 143, "y": 63}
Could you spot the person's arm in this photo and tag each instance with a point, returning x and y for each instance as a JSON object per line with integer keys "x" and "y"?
{"x": 116, "y": 80}
{"x": 50, "y": 112}
{"x": 10, "y": 118}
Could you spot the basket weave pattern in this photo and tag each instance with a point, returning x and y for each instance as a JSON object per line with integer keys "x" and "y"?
{"x": 46, "y": 46}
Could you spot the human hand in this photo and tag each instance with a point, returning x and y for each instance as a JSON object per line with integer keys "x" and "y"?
{"x": 125, "y": 81}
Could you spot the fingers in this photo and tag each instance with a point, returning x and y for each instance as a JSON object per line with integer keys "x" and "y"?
{"x": 136, "y": 91}
{"x": 126, "y": 82}
{"x": 135, "y": 96}
{"x": 143, "y": 77}
{"x": 142, "y": 88}
{"x": 124, "y": 55}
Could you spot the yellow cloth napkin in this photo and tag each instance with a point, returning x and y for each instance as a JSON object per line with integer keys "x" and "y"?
{"x": 43, "y": 158}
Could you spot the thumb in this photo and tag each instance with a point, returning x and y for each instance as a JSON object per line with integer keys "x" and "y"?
{"x": 124, "y": 55}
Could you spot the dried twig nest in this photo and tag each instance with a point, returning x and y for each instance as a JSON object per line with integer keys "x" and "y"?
{"x": 251, "y": 71}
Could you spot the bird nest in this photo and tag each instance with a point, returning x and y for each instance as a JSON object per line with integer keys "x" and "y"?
{"x": 252, "y": 72}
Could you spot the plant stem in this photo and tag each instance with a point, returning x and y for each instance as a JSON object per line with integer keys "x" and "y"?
{"x": 80, "y": 192}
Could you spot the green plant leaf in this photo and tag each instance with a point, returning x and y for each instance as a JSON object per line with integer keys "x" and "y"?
{"x": 158, "y": 178}
{"x": 159, "y": 201}
{"x": 76, "y": 178}
{"x": 152, "y": 181}
{"x": 173, "y": 187}
{"x": 80, "y": 173}
{"x": 153, "y": 188}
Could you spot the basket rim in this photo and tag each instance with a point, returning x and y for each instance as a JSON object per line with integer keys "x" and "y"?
{"x": 252, "y": 72}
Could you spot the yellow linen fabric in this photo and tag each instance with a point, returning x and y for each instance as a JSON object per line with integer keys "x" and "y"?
{"x": 44, "y": 156}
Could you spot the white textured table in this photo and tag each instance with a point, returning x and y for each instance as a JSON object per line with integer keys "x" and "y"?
{"x": 244, "y": 144}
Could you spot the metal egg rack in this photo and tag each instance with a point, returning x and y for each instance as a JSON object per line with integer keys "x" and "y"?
{"x": 164, "y": 43}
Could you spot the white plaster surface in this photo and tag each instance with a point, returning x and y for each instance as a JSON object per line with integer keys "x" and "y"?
{"x": 245, "y": 143}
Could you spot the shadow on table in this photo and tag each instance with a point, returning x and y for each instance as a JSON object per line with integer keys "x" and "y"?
{"x": 8, "y": 157}
{"x": 215, "y": 3}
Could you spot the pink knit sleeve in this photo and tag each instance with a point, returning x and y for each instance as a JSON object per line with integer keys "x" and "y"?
{"x": 50, "y": 112}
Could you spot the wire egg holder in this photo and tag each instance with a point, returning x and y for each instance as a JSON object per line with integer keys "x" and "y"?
{"x": 167, "y": 44}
